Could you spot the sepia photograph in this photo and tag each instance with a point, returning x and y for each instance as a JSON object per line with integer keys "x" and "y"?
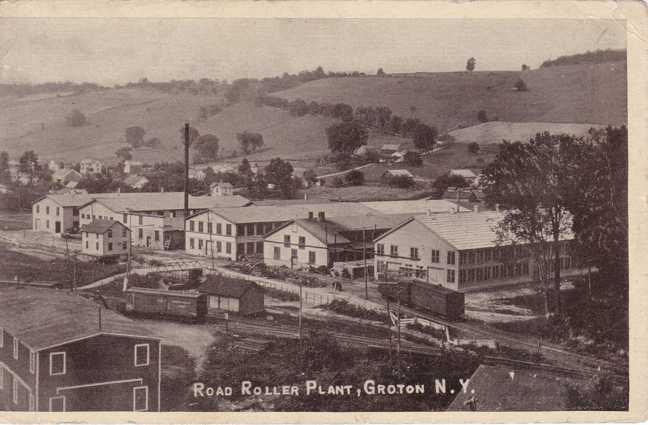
{"x": 276, "y": 214}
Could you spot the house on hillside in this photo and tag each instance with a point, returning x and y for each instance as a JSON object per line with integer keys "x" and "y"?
{"x": 136, "y": 181}
{"x": 467, "y": 174}
{"x": 133, "y": 167}
{"x": 65, "y": 176}
{"x": 365, "y": 150}
{"x": 234, "y": 233}
{"x": 91, "y": 166}
{"x": 225, "y": 294}
{"x": 389, "y": 149}
{"x": 61, "y": 352}
{"x": 222, "y": 189}
{"x": 105, "y": 238}
{"x": 197, "y": 173}
{"x": 323, "y": 241}
{"x": 397, "y": 173}
{"x": 55, "y": 165}
{"x": 460, "y": 251}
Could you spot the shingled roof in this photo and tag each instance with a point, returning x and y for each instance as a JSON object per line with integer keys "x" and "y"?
{"x": 99, "y": 226}
{"x": 43, "y": 318}
{"x": 227, "y": 287}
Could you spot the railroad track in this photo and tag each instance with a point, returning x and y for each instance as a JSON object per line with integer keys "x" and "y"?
{"x": 577, "y": 362}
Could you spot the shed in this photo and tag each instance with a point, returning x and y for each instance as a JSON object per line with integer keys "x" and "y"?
{"x": 232, "y": 295}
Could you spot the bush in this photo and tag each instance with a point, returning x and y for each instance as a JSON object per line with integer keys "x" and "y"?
{"x": 413, "y": 159}
{"x": 337, "y": 182}
{"x": 402, "y": 182}
{"x": 473, "y": 147}
{"x": 354, "y": 178}
{"x": 352, "y": 310}
{"x": 481, "y": 116}
{"x": 76, "y": 119}
{"x": 520, "y": 85}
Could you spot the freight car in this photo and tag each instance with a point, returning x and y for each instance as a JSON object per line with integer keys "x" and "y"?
{"x": 425, "y": 296}
{"x": 186, "y": 305}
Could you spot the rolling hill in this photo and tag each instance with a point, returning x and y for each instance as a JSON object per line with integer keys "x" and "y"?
{"x": 587, "y": 93}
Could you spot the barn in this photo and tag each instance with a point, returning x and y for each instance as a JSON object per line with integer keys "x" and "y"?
{"x": 232, "y": 295}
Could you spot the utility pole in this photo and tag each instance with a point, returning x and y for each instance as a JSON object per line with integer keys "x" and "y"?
{"x": 398, "y": 329}
{"x": 186, "y": 173}
{"x": 364, "y": 259}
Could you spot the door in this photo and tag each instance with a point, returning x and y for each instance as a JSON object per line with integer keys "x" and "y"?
{"x": 57, "y": 227}
{"x": 148, "y": 241}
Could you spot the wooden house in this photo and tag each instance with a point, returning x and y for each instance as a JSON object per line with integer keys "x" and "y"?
{"x": 105, "y": 238}
{"x": 226, "y": 294}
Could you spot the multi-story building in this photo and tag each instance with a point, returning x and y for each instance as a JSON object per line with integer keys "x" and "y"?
{"x": 459, "y": 251}
{"x": 62, "y": 352}
{"x": 322, "y": 241}
{"x": 236, "y": 232}
{"x": 57, "y": 213}
{"x": 105, "y": 238}
{"x": 157, "y": 232}
{"x": 66, "y": 175}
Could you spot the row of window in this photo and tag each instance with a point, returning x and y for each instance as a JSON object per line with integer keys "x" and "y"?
{"x": 435, "y": 254}
{"x": 140, "y": 400}
{"x": 47, "y": 210}
{"x": 203, "y": 244}
{"x": 140, "y": 234}
{"x": 201, "y": 228}
{"x": 502, "y": 271}
{"x": 124, "y": 233}
{"x": 301, "y": 242}
{"x": 312, "y": 255}
{"x": 124, "y": 245}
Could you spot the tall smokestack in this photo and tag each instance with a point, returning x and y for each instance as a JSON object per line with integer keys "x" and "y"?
{"x": 186, "y": 176}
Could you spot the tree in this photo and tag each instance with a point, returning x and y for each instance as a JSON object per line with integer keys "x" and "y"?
{"x": 124, "y": 154}
{"x": 310, "y": 176}
{"x": 395, "y": 124}
{"x": 473, "y": 147}
{"x": 244, "y": 169}
{"x": 424, "y": 137}
{"x": 279, "y": 173}
{"x": 249, "y": 141}
{"x": 5, "y": 175}
{"x": 413, "y": 159}
{"x": 481, "y": 116}
{"x": 346, "y": 136}
{"x": 76, "y": 119}
{"x": 354, "y": 178}
{"x": 194, "y": 134}
{"x": 402, "y": 182}
{"x": 525, "y": 67}
{"x": 380, "y": 72}
{"x": 470, "y": 64}
{"x": 529, "y": 179}
{"x": 207, "y": 147}
{"x": 520, "y": 85}
{"x": 153, "y": 142}
{"x": 343, "y": 111}
{"x": 28, "y": 164}
{"x": 444, "y": 181}
{"x": 135, "y": 136}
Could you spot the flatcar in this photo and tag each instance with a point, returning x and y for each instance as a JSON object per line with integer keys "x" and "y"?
{"x": 426, "y": 297}
{"x": 187, "y": 305}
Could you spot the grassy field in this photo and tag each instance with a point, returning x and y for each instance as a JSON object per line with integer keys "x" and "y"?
{"x": 566, "y": 94}
{"x": 15, "y": 221}
{"x": 496, "y": 131}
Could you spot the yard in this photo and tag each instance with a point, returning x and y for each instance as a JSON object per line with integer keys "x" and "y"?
{"x": 15, "y": 221}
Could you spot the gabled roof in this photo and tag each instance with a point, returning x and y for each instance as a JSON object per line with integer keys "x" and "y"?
{"x": 59, "y": 174}
{"x": 417, "y": 206}
{"x": 100, "y": 226}
{"x": 390, "y": 147}
{"x": 134, "y": 179}
{"x": 43, "y": 318}
{"x": 400, "y": 173}
{"x": 226, "y": 287}
{"x": 160, "y": 201}
{"x": 463, "y": 172}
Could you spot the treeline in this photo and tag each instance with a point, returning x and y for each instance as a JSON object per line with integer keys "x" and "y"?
{"x": 598, "y": 56}
{"x": 379, "y": 118}
{"x": 204, "y": 86}
{"x": 29, "y": 89}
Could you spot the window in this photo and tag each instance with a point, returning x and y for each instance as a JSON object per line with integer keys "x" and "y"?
{"x": 311, "y": 257}
{"x": 380, "y": 249}
{"x": 200, "y": 243}
{"x": 58, "y": 211}
{"x": 86, "y": 244}
{"x": 210, "y": 228}
{"x": 140, "y": 233}
{"x": 192, "y": 225}
{"x": 140, "y": 399}
{"x": 140, "y": 219}
{"x": 1, "y": 338}
{"x": 393, "y": 250}
{"x": 124, "y": 245}
{"x": 228, "y": 230}
{"x": 287, "y": 241}
{"x": 32, "y": 361}
{"x": 302, "y": 242}
{"x": 57, "y": 363}
{"x": 240, "y": 230}
{"x": 219, "y": 246}
{"x": 97, "y": 246}
{"x": 14, "y": 395}
{"x": 110, "y": 233}
{"x": 259, "y": 247}
{"x": 16, "y": 346}
{"x": 414, "y": 253}
{"x": 47, "y": 224}
{"x": 259, "y": 229}
{"x": 250, "y": 248}
{"x": 200, "y": 226}
{"x": 142, "y": 355}
{"x": 219, "y": 229}
{"x": 451, "y": 257}
{"x": 228, "y": 247}
{"x": 156, "y": 235}
{"x": 451, "y": 276}
{"x": 276, "y": 253}
{"x": 37, "y": 208}
{"x": 293, "y": 254}
{"x": 47, "y": 210}
{"x": 249, "y": 229}
{"x": 109, "y": 246}
{"x": 125, "y": 218}
{"x": 57, "y": 404}
{"x": 434, "y": 256}
{"x": 191, "y": 243}
{"x": 124, "y": 234}
{"x": 240, "y": 248}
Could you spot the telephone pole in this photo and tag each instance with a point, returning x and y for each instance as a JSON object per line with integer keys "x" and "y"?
{"x": 186, "y": 171}
{"x": 364, "y": 259}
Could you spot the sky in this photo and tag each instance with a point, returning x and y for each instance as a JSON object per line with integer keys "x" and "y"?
{"x": 116, "y": 51}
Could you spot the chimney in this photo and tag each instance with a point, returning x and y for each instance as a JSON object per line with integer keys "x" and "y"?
{"x": 476, "y": 208}
{"x": 310, "y": 215}
{"x": 321, "y": 216}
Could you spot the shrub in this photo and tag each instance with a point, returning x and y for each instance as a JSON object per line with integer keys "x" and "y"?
{"x": 481, "y": 116}
{"x": 76, "y": 119}
{"x": 354, "y": 178}
{"x": 473, "y": 147}
{"x": 352, "y": 310}
{"x": 520, "y": 85}
{"x": 413, "y": 159}
{"x": 402, "y": 182}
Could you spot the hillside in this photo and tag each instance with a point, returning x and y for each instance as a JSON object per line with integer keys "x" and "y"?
{"x": 591, "y": 93}
{"x": 496, "y": 131}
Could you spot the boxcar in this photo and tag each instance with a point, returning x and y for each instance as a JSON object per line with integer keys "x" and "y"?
{"x": 427, "y": 297}
{"x": 158, "y": 302}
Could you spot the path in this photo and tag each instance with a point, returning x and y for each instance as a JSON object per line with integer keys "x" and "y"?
{"x": 341, "y": 173}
